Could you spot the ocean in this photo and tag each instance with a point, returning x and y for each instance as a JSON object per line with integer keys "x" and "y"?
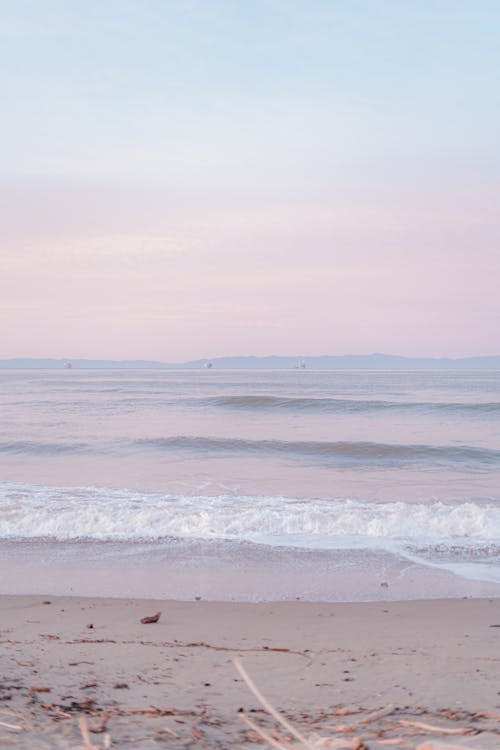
{"x": 250, "y": 485}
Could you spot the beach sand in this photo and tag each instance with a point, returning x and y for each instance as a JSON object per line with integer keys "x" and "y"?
{"x": 174, "y": 683}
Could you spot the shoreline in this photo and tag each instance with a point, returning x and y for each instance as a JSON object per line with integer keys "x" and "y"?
{"x": 435, "y": 661}
{"x": 230, "y": 571}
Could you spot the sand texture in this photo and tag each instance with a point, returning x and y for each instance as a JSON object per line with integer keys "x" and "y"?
{"x": 394, "y": 674}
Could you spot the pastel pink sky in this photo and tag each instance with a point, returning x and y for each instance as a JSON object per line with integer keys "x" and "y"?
{"x": 184, "y": 180}
{"x": 88, "y": 278}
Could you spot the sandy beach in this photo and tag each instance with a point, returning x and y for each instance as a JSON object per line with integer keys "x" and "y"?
{"x": 328, "y": 667}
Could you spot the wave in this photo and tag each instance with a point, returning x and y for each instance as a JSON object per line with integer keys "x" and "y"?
{"x": 123, "y": 398}
{"x": 93, "y": 513}
{"x": 42, "y": 448}
{"x": 332, "y": 453}
{"x": 348, "y": 406}
{"x": 339, "y": 452}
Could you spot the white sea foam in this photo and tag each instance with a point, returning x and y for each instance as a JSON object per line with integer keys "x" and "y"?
{"x": 31, "y": 512}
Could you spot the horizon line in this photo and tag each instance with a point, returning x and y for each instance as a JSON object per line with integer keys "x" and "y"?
{"x": 250, "y": 356}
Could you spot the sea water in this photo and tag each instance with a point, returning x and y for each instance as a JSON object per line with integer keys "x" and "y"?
{"x": 332, "y": 485}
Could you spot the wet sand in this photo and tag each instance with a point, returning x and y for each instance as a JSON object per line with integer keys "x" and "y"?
{"x": 230, "y": 571}
{"x": 326, "y": 666}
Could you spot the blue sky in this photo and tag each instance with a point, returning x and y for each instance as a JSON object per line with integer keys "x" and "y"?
{"x": 262, "y": 140}
{"x": 122, "y": 90}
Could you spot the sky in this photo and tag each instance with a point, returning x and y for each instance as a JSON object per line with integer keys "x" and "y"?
{"x": 200, "y": 178}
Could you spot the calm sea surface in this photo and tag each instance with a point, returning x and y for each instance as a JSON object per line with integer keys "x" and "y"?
{"x": 246, "y": 484}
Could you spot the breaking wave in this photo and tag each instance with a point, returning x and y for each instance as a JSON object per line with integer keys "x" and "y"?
{"x": 36, "y": 512}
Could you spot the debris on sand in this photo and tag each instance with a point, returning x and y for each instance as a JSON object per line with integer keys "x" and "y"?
{"x": 151, "y": 619}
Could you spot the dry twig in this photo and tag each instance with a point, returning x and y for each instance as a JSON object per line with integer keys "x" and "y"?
{"x": 269, "y": 707}
{"x": 432, "y": 728}
{"x": 439, "y": 746}
{"x": 14, "y": 727}
{"x": 267, "y": 737}
{"x": 378, "y": 714}
{"x": 82, "y": 723}
{"x": 168, "y": 730}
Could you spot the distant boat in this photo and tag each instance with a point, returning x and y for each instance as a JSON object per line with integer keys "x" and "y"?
{"x": 208, "y": 365}
{"x": 68, "y": 366}
{"x": 300, "y": 365}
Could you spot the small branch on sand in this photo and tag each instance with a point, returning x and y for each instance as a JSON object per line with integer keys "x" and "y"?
{"x": 264, "y": 702}
{"x": 316, "y": 742}
{"x": 168, "y": 730}
{"x": 100, "y": 727}
{"x": 89, "y": 640}
{"x": 373, "y": 716}
{"x": 377, "y": 715}
{"x": 486, "y": 715}
{"x": 82, "y": 723}
{"x": 266, "y": 737}
{"x": 432, "y": 728}
{"x": 275, "y": 649}
{"x": 439, "y": 746}
{"x": 153, "y": 711}
{"x": 14, "y": 727}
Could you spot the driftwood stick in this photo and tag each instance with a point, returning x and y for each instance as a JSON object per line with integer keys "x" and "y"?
{"x": 62, "y": 713}
{"x": 16, "y": 727}
{"x": 337, "y": 744}
{"x": 270, "y": 708}
{"x": 100, "y": 727}
{"x": 82, "y": 723}
{"x": 378, "y": 714}
{"x": 170, "y": 731}
{"x": 266, "y": 737}
{"x": 487, "y": 715}
{"x": 432, "y": 728}
{"x": 431, "y": 745}
{"x": 153, "y": 711}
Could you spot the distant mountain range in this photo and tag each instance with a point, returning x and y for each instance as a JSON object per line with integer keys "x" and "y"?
{"x": 326, "y": 362}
